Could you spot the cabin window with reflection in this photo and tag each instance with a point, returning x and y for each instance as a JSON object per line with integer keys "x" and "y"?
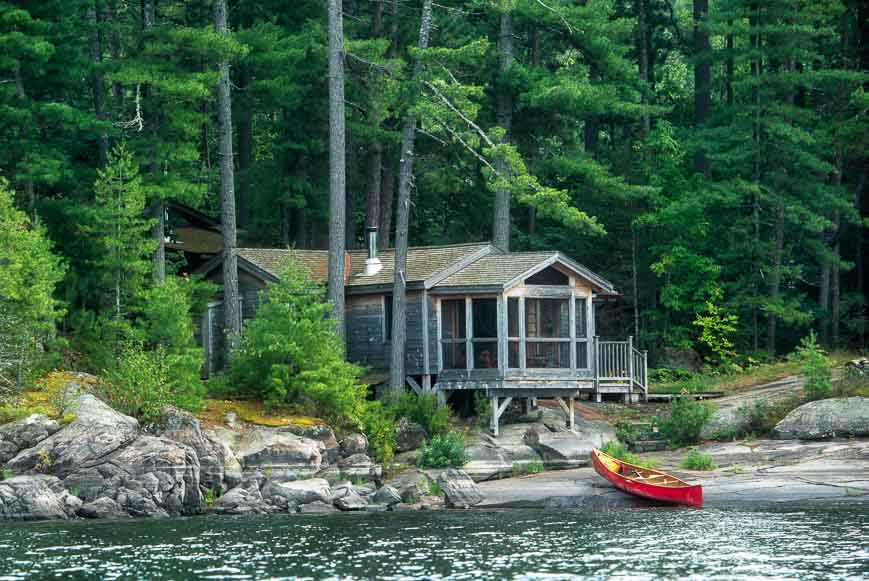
{"x": 484, "y": 317}
{"x": 547, "y": 332}
{"x": 453, "y": 334}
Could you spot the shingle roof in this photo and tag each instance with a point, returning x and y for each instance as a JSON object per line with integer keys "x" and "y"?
{"x": 496, "y": 269}
{"x": 272, "y": 260}
{"x": 485, "y": 269}
{"x": 422, "y": 262}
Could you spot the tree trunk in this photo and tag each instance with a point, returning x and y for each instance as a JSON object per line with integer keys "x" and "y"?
{"x": 245, "y": 147}
{"x": 387, "y": 193}
{"x": 775, "y": 278}
{"x": 702, "y": 78}
{"x": 643, "y": 52}
{"x": 157, "y": 205}
{"x": 337, "y": 175}
{"x": 375, "y": 156}
{"x": 98, "y": 86}
{"x": 756, "y": 64}
{"x": 501, "y": 219}
{"x": 408, "y": 133}
{"x": 231, "y": 310}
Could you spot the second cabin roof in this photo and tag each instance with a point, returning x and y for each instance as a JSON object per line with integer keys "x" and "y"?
{"x": 451, "y": 266}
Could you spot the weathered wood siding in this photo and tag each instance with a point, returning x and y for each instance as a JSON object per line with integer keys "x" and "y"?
{"x": 365, "y": 333}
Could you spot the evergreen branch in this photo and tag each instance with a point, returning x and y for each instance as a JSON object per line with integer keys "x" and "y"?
{"x": 557, "y": 13}
{"x": 461, "y": 115}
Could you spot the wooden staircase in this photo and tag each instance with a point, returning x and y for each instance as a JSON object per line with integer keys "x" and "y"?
{"x": 619, "y": 367}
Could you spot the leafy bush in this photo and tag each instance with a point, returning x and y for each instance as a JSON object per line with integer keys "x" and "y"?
{"x": 443, "y": 451}
{"x": 620, "y": 451}
{"x": 140, "y": 384}
{"x": 166, "y": 322}
{"x": 695, "y": 460}
{"x": 378, "y": 423}
{"x": 482, "y": 409}
{"x": 683, "y": 423}
{"x": 291, "y": 355}
{"x": 28, "y": 309}
{"x": 816, "y": 368}
{"x": 422, "y": 410}
{"x": 716, "y": 329}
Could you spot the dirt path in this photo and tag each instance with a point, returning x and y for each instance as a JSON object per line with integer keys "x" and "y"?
{"x": 774, "y": 390}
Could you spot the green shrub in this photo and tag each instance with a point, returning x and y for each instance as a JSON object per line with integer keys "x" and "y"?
{"x": 378, "y": 423}
{"x": 620, "y": 451}
{"x": 526, "y": 468}
{"x": 482, "y": 409}
{"x": 291, "y": 355}
{"x": 140, "y": 384}
{"x": 443, "y": 451}
{"x": 683, "y": 423}
{"x": 29, "y": 272}
{"x": 695, "y": 460}
{"x": 422, "y": 410}
{"x": 816, "y": 369}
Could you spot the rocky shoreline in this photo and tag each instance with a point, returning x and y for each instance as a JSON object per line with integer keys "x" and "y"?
{"x": 103, "y": 464}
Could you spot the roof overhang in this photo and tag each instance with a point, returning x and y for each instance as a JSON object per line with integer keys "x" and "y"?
{"x": 600, "y": 284}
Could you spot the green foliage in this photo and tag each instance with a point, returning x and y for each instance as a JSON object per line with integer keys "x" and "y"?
{"x": 166, "y": 322}
{"x": 422, "y": 409}
{"x": 816, "y": 368}
{"x": 443, "y": 451}
{"x": 378, "y": 423}
{"x": 621, "y": 451}
{"x": 29, "y": 272}
{"x": 527, "y": 468}
{"x": 482, "y": 409}
{"x": 716, "y": 330}
{"x": 140, "y": 384}
{"x": 291, "y": 355}
{"x": 696, "y": 460}
{"x": 685, "y": 418}
{"x": 6, "y": 474}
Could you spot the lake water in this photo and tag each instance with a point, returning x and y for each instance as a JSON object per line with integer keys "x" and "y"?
{"x": 806, "y": 542}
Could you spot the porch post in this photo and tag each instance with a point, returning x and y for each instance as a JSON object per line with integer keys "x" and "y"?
{"x": 522, "y": 334}
{"x": 469, "y": 331}
{"x": 494, "y": 420}
{"x": 630, "y": 368}
{"x": 572, "y": 423}
{"x": 572, "y": 333}
{"x": 502, "y": 334}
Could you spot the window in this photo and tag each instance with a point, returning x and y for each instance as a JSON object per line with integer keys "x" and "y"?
{"x": 453, "y": 334}
{"x": 387, "y": 318}
{"x": 484, "y": 314}
{"x": 547, "y": 331}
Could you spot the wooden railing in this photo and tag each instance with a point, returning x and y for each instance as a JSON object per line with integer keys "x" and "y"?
{"x": 620, "y": 362}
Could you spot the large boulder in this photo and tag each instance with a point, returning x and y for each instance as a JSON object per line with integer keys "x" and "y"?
{"x": 348, "y": 499}
{"x": 460, "y": 491}
{"x": 723, "y": 421}
{"x": 827, "y": 418}
{"x": 102, "y": 508}
{"x": 487, "y": 461}
{"x": 246, "y": 498}
{"x": 280, "y": 454}
{"x": 411, "y": 485}
{"x": 408, "y": 435}
{"x": 354, "y": 444}
{"x": 149, "y": 477}
{"x": 289, "y": 495}
{"x": 387, "y": 495}
{"x": 96, "y": 432}
{"x": 358, "y": 466}
{"x": 36, "y": 497}
{"x": 569, "y": 449}
{"x": 24, "y": 433}
{"x": 219, "y": 470}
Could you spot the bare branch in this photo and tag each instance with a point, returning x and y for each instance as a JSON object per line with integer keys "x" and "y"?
{"x": 461, "y": 115}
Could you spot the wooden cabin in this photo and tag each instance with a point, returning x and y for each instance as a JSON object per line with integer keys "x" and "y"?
{"x": 511, "y": 325}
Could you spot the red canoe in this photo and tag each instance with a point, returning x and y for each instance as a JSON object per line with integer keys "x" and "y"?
{"x": 646, "y": 482}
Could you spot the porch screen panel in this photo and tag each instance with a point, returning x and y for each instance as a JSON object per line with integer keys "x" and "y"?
{"x": 453, "y": 334}
{"x": 513, "y": 333}
{"x": 485, "y": 331}
{"x": 547, "y": 331}
{"x": 581, "y": 333}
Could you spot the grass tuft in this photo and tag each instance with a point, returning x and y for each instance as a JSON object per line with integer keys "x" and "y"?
{"x": 696, "y": 460}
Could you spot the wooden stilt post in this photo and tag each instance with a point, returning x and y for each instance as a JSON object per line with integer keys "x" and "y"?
{"x": 571, "y": 422}
{"x": 442, "y": 398}
{"x": 495, "y": 418}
